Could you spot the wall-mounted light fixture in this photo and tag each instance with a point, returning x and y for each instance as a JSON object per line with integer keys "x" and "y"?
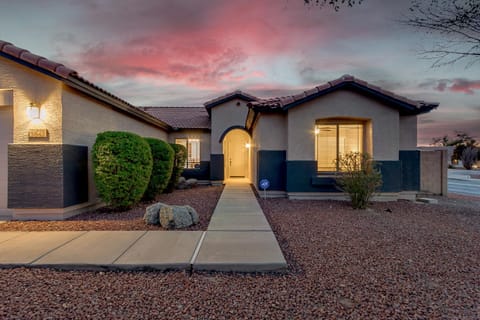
{"x": 33, "y": 111}
{"x": 247, "y": 145}
{"x": 317, "y": 131}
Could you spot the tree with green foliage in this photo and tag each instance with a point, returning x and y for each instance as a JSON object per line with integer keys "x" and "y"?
{"x": 358, "y": 177}
{"x": 122, "y": 165}
{"x": 178, "y": 165}
{"x": 163, "y": 158}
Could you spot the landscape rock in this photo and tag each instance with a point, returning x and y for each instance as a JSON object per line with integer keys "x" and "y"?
{"x": 186, "y": 184}
{"x": 182, "y": 183}
{"x": 193, "y": 214}
{"x": 151, "y": 213}
{"x": 175, "y": 217}
{"x": 191, "y": 183}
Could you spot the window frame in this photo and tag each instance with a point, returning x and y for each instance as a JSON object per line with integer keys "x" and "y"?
{"x": 337, "y": 122}
{"x": 190, "y": 165}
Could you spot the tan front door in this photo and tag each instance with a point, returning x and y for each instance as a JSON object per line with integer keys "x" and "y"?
{"x": 237, "y": 154}
{"x": 237, "y": 157}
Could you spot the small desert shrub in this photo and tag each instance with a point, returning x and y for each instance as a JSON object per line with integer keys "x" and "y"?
{"x": 178, "y": 165}
{"x": 122, "y": 164}
{"x": 359, "y": 177}
{"x": 469, "y": 157}
{"x": 163, "y": 157}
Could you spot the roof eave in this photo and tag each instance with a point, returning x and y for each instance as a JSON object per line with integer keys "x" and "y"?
{"x": 214, "y": 103}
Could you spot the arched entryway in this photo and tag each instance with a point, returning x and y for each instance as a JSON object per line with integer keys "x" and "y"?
{"x": 236, "y": 151}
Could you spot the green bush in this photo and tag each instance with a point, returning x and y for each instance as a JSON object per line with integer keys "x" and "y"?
{"x": 358, "y": 177}
{"x": 163, "y": 157}
{"x": 122, "y": 164}
{"x": 178, "y": 165}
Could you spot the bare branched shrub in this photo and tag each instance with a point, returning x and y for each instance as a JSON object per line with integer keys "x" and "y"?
{"x": 469, "y": 157}
{"x": 359, "y": 177}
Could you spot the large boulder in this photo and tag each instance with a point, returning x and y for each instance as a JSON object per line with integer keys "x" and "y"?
{"x": 193, "y": 213}
{"x": 151, "y": 213}
{"x": 175, "y": 217}
{"x": 170, "y": 217}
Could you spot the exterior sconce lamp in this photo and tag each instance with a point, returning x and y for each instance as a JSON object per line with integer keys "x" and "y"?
{"x": 317, "y": 131}
{"x": 247, "y": 145}
{"x": 33, "y": 111}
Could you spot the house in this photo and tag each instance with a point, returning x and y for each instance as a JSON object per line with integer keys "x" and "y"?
{"x": 50, "y": 116}
{"x": 49, "y": 120}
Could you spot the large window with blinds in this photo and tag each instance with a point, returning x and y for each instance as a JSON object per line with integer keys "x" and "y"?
{"x": 333, "y": 139}
{"x": 193, "y": 152}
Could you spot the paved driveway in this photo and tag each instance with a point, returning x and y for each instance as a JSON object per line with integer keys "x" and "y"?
{"x": 463, "y": 182}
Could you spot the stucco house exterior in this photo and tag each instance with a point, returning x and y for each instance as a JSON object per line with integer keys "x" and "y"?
{"x": 50, "y": 116}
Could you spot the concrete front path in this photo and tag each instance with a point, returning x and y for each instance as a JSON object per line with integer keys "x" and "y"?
{"x": 238, "y": 238}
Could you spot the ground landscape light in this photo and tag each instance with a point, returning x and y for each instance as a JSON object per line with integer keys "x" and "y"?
{"x": 33, "y": 111}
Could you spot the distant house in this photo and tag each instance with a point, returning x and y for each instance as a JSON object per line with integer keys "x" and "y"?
{"x": 50, "y": 116}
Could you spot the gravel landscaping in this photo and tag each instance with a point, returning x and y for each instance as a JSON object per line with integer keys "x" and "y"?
{"x": 201, "y": 198}
{"x": 397, "y": 260}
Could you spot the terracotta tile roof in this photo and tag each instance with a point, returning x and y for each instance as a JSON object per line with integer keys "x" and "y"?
{"x": 407, "y": 106}
{"x": 181, "y": 117}
{"x": 44, "y": 63}
{"x": 71, "y": 78}
{"x": 238, "y": 94}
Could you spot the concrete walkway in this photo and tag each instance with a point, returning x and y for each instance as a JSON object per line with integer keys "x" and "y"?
{"x": 238, "y": 238}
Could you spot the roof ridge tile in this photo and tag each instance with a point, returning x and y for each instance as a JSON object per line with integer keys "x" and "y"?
{"x": 286, "y": 101}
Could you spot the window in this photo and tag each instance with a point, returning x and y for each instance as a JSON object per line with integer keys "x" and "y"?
{"x": 193, "y": 152}
{"x": 334, "y": 139}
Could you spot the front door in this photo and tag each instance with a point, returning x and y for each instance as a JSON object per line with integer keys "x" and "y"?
{"x": 237, "y": 156}
{"x": 236, "y": 152}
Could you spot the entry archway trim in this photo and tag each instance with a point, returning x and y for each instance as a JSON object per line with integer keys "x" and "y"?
{"x": 224, "y": 134}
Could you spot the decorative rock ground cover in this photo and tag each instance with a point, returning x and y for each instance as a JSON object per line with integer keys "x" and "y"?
{"x": 202, "y": 198}
{"x": 399, "y": 260}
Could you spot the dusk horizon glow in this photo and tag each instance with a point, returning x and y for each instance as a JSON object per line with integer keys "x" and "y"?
{"x": 184, "y": 53}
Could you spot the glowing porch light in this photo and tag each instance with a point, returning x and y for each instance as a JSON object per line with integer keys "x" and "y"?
{"x": 33, "y": 111}
{"x": 247, "y": 145}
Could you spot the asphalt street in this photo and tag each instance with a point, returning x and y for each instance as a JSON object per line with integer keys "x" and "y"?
{"x": 463, "y": 182}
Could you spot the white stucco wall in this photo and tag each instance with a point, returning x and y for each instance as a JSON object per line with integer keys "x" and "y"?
{"x": 408, "y": 132}
{"x": 84, "y": 117}
{"x": 194, "y": 134}
{"x": 384, "y": 123}
{"x": 270, "y": 132}
{"x": 6, "y": 137}
{"x": 30, "y": 86}
{"x": 225, "y": 116}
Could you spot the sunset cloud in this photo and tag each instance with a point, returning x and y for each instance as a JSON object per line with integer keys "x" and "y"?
{"x": 459, "y": 85}
{"x": 177, "y": 52}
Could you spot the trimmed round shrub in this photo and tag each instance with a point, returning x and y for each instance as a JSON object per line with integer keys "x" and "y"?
{"x": 122, "y": 164}
{"x": 178, "y": 165}
{"x": 163, "y": 158}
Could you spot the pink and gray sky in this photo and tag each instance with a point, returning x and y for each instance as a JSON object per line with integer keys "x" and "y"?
{"x": 185, "y": 52}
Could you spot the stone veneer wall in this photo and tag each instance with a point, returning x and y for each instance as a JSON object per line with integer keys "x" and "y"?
{"x": 47, "y": 175}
